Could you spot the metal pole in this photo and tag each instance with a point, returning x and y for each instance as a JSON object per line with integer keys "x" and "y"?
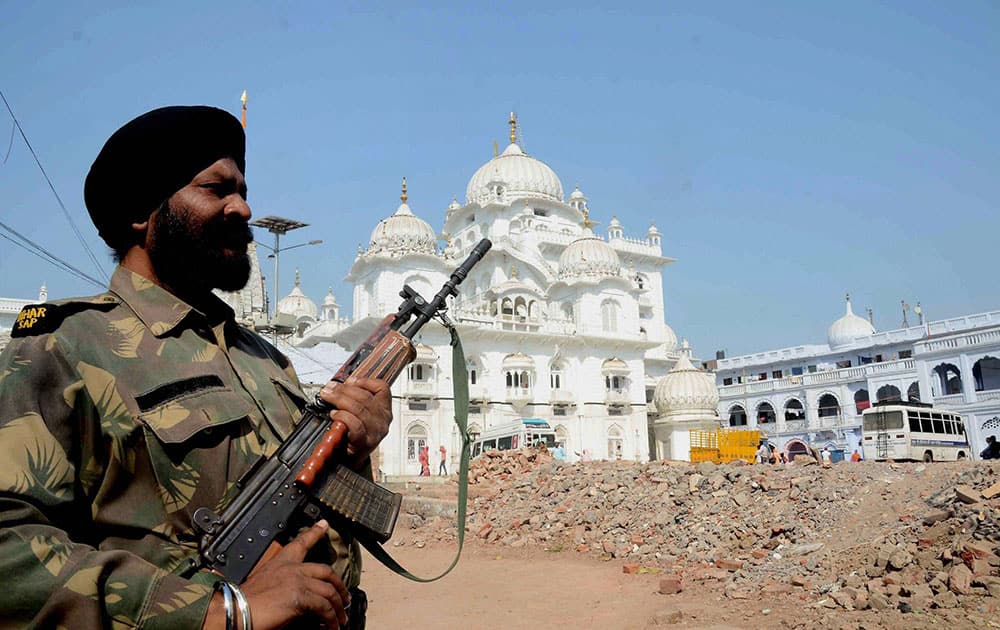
{"x": 274, "y": 319}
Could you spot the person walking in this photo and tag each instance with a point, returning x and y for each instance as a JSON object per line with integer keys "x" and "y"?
{"x": 443, "y": 468}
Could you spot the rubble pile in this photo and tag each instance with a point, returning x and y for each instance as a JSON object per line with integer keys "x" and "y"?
{"x": 854, "y": 536}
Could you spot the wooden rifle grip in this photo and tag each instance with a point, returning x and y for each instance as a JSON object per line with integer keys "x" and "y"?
{"x": 387, "y": 359}
{"x": 324, "y": 448}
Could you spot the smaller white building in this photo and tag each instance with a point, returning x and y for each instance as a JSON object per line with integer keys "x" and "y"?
{"x": 813, "y": 395}
{"x": 686, "y": 399}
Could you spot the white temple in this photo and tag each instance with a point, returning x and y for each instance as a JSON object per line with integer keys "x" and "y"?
{"x": 557, "y": 322}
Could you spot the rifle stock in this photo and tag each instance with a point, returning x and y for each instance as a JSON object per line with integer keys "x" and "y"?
{"x": 303, "y": 481}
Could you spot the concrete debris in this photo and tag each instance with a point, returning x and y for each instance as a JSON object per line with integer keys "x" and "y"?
{"x": 871, "y": 538}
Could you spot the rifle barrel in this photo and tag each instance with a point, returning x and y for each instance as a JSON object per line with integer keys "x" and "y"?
{"x": 450, "y": 288}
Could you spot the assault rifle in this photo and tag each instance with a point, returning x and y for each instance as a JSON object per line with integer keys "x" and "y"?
{"x": 303, "y": 481}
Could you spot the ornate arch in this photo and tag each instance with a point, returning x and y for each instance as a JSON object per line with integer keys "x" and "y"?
{"x": 735, "y": 420}
{"x": 825, "y": 410}
{"x": 418, "y": 435}
{"x": 797, "y": 413}
{"x": 757, "y": 411}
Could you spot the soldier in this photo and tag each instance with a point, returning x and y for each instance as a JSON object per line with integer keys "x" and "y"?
{"x": 122, "y": 413}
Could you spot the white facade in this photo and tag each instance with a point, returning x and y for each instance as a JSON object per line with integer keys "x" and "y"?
{"x": 557, "y": 322}
{"x": 814, "y": 394}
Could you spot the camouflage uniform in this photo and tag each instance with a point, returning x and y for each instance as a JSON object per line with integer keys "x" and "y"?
{"x": 120, "y": 415}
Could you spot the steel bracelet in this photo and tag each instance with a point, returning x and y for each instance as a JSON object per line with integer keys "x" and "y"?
{"x": 246, "y": 622}
{"x": 227, "y": 602}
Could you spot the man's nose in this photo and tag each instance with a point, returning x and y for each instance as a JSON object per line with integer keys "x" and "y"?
{"x": 239, "y": 206}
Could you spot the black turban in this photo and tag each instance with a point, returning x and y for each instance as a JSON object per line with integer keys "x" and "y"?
{"x": 152, "y": 157}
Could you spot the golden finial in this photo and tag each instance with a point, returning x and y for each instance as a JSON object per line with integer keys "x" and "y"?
{"x": 513, "y": 128}
{"x": 296, "y": 276}
{"x": 496, "y": 149}
{"x": 404, "y": 196}
{"x": 587, "y": 223}
{"x": 513, "y": 272}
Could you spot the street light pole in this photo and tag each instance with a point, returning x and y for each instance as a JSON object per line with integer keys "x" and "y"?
{"x": 278, "y": 226}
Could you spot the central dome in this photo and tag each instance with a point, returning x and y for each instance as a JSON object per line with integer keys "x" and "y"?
{"x": 589, "y": 256}
{"x": 513, "y": 174}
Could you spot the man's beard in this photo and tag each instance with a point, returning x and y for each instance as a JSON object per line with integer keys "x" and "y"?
{"x": 191, "y": 258}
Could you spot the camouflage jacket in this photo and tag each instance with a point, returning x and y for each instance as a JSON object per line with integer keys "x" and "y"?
{"x": 120, "y": 415}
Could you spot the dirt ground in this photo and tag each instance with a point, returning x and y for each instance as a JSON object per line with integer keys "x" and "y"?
{"x": 519, "y": 589}
{"x": 510, "y": 588}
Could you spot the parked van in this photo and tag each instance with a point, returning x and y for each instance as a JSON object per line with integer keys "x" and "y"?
{"x": 515, "y": 435}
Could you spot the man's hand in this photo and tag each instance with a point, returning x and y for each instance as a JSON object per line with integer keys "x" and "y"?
{"x": 285, "y": 588}
{"x": 365, "y": 406}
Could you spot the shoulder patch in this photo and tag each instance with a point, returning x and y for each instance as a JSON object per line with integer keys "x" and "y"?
{"x": 38, "y": 319}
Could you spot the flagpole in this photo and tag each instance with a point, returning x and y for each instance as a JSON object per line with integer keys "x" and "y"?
{"x": 243, "y": 99}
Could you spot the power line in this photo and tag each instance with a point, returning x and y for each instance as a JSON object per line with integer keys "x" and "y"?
{"x": 76, "y": 231}
{"x": 10, "y": 145}
{"x": 293, "y": 350}
{"x": 33, "y": 248}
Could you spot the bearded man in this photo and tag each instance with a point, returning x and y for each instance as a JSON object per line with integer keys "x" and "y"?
{"x": 123, "y": 413}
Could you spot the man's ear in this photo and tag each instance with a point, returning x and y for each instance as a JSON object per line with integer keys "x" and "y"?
{"x": 141, "y": 229}
{"x": 140, "y": 233}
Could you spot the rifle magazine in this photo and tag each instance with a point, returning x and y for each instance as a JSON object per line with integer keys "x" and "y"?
{"x": 362, "y": 502}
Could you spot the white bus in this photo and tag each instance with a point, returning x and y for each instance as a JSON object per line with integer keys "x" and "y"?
{"x": 515, "y": 435}
{"x": 913, "y": 431}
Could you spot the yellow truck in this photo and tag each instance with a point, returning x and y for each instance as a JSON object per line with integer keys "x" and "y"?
{"x": 724, "y": 445}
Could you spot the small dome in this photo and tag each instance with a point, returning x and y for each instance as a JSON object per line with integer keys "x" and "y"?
{"x": 403, "y": 232}
{"x": 329, "y": 300}
{"x": 652, "y": 230}
{"x": 848, "y": 328}
{"x": 589, "y": 256}
{"x": 615, "y": 223}
{"x": 454, "y": 205}
{"x": 516, "y": 173}
{"x": 296, "y": 303}
{"x": 686, "y": 391}
{"x": 576, "y": 194}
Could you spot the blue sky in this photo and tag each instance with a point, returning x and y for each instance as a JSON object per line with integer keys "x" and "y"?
{"x": 789, "y": 152}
